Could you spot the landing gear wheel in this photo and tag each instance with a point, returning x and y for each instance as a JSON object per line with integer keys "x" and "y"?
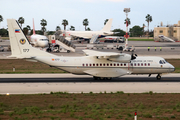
{"x": 109, "y": 78}
{"x": 96, "y": 78}
{"x": 158, "y": 77}
{"x": 68, "y": 51}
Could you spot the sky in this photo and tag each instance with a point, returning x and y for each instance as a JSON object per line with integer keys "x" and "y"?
{"x": 96, "y": 11}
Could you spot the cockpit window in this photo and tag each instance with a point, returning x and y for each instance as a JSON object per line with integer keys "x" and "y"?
{"x": 162, "y": 62}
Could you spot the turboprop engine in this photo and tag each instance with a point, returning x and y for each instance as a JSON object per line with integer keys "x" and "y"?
{"x": 124, "y": 58}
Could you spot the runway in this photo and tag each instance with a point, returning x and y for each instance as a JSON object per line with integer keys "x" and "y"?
{"x": 129, "y": 84}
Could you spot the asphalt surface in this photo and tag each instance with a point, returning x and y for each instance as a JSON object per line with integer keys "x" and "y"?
{"x": 89, "y": 80}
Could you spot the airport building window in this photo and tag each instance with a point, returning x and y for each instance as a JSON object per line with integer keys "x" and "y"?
{"x": 175, "y": 31}
{"x": 93, "y": 64}
{"x": 161, "y": 31}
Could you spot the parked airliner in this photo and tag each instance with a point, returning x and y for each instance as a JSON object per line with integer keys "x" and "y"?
{"x": 89, "y": 34}
{"x": 100, "y": 65}
{"x": 38, "y": 40}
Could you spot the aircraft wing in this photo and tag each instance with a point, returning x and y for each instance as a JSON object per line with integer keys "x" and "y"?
{"x": 79, "y": 36}
{"x": 111, "y": 56}
{"x": 102, "y": 54}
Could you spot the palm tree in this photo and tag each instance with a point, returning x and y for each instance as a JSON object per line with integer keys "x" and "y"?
{"x": 1, "y": 18}
{"x": 64, "y": 23}
{"x": 85, "y": 23}
{"x": 43, "y": 24}
{"x": 143, "y": 27}
{"x": 148, "y": 19}
{"x": 58, "y": 28}
{"x": 129, "y": 22}
{"x": 105, "y": 21}
{"x": 21, "y": 20}
{"x": 72, "y": 28}
{"x": 88, "y": 29}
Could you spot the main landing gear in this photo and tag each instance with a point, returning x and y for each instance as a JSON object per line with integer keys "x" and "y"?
{"x": 158, "y": 77}
{"x": 102, "y": 78}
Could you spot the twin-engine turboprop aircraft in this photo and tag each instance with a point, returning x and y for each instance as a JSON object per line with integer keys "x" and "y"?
{"x": 100, "y": 65}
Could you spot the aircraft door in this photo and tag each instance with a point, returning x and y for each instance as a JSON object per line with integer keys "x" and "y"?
{"x": 130, "y": 66}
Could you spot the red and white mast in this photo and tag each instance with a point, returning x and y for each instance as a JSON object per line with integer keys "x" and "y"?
{"x": 126, "y": 10}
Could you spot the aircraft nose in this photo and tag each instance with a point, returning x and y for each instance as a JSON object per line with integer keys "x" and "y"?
{"x": 172, "y": 68}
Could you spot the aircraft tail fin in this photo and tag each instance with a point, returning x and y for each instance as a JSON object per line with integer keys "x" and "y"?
{"x": 107, "y": 26}
{"x": 20, "y": 45}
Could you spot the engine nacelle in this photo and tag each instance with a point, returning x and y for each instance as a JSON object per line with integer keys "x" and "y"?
{"x": 124, "y": 58}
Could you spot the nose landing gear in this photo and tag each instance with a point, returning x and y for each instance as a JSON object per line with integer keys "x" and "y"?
{"x": 158, "y": 77}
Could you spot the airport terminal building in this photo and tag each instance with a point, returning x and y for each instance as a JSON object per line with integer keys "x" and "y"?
{"x": 170, "y": 31}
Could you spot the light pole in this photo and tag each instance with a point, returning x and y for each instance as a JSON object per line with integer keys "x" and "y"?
{"x": 126, "y": 10}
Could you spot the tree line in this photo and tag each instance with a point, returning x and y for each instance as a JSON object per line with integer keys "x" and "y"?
{"x": 135, "y": 31}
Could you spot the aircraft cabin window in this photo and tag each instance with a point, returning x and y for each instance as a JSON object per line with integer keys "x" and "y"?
{"x": 124, "y": 64}
{"x": 82, "y": 64}
{"x": 114, "y": 64}
{"x": 121, "y": 64}
{"x": 86, "y": 64}
{"x": 148, "y": 64}
{"x": 97, "y": 64}
{"x": 107, "y": 64}
{"x": 141, "y": 64}
{"x": 111, "y": 64}
{"x": 104, "y": 64}
{"x": 138, "y": 64}
{"x": 134, "y": 64}
{"x": 144, "y": 64}
{"x": 131, "y": 64}
{"x": 93, "y": 64}
{"x": 117, "y": 64}
{"x": 100, "y": 64}
{"x": 89, "y": 64}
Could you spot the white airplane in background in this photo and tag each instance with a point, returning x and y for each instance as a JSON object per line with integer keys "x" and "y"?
{"x": 89, "y": 34}
{"x": 100, "y": 65}
{"x": 38, "y": 40}
{"x": 165, "y": 39}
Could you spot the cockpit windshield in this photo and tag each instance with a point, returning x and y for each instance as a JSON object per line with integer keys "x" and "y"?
{"x": 162, "y": 62}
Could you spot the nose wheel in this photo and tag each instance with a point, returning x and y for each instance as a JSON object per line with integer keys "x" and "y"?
{"x": 158, "y": 77}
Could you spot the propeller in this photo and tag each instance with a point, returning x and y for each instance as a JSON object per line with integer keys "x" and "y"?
{"x": 133, "y": 56}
